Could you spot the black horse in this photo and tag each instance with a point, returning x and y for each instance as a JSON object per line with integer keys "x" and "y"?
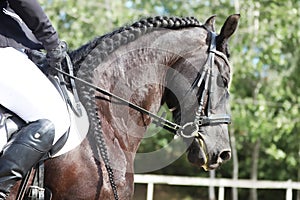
{"x": 157, "y": 60}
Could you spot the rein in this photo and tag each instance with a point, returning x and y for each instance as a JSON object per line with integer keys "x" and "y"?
{"x": 200, "y": 119}
{"x": 170, "y": 126}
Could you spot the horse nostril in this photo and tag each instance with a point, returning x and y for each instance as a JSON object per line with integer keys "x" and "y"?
{"x": 225, "y": 155}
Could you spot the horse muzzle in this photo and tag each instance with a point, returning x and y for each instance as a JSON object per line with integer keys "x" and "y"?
{"x": 206, "y": 149}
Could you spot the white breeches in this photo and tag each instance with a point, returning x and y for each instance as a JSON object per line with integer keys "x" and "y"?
{"x": 26, "y": 91}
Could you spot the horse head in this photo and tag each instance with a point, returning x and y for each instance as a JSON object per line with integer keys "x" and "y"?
{"x": 197, "y": 92}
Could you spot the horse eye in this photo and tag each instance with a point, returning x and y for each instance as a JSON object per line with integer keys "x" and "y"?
{"x": 225, "y": 81}
{"x": 222, "y": 81}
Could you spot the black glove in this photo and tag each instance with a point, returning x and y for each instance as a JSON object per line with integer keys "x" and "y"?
{"x": 56, "y": 55}
{"x": 37, "y": 57}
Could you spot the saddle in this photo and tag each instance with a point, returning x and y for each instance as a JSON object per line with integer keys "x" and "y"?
{"x": 32, "y": 185}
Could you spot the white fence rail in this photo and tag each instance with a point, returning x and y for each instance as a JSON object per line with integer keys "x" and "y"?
{"x": 150, "y": 180}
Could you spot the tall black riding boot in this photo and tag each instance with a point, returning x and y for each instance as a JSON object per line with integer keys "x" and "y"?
{"x": 23, "y": 151}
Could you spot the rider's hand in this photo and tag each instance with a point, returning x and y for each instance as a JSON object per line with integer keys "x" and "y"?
{"x": 56, "y": 55}
{"x": 37, "y": 57}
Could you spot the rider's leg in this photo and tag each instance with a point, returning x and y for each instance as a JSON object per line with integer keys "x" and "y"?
{"x": 23, "y": 151}
{"x": 26, "y": 91}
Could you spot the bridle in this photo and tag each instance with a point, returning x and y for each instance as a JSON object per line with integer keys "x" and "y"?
{"x": 201, "y": 119}
{"x": 205, "y": 78}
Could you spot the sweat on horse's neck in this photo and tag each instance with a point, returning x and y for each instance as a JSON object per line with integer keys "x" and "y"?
{"x": 136, "y": 72}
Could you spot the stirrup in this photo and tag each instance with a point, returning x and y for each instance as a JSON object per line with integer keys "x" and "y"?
{"x": 37, "y": 191}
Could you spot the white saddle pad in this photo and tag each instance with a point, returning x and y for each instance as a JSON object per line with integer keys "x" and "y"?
{"x": 78, "y": 131}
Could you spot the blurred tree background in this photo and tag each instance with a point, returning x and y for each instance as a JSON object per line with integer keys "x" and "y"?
{"x": 265, "y": 92}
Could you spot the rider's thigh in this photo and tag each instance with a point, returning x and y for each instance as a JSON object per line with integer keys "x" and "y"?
{"x": 26, "y": 91}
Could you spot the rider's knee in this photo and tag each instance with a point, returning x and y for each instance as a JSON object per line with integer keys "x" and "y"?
{"x": 38, "y": 135}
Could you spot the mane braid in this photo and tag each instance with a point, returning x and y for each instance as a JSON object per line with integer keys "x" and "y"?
{"x": 89, "y": 56}
{"x": 107, "y": 43}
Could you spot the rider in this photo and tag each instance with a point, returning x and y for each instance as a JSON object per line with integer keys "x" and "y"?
{"x": 26, "y": 91}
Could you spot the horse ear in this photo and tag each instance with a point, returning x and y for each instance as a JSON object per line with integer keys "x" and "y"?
{"x": 227, "y": 30}
{"x": 210, "y": 23}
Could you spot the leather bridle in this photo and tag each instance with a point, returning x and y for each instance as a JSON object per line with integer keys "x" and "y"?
{"x": 200, "y": 118}
{"x": 207, "y": 72}
{"x": 205, "y": 78}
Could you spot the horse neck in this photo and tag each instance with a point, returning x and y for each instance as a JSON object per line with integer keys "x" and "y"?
{"x": 136, "y": 72}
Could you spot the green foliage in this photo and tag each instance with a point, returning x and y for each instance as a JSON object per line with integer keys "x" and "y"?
{"x": 266, "y": 97}
{"x": 265, "y": 53}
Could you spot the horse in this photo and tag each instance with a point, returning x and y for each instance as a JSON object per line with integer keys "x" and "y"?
{"x": 123, "y": 78}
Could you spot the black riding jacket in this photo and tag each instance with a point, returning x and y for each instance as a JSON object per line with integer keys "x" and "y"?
{"x": 32, "y": 30}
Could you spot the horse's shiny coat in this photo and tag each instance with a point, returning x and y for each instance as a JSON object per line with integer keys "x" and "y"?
{"x": 154, "y": 67}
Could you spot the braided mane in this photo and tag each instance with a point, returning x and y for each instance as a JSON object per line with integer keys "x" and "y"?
{"x": 106, "y": 44}
{"x": 90, "y": 55}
